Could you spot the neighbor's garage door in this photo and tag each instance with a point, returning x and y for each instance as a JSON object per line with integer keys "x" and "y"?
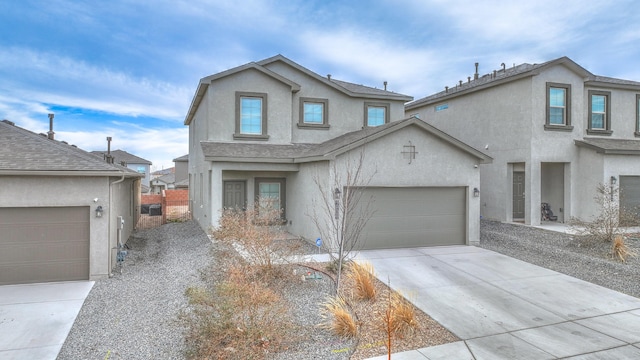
{"x": 412, "y": 217}
{"x": 630, "y": 193}
{"x": 44, "y": 244}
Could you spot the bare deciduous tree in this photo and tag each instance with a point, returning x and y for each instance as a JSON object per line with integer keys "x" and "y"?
{"x": 610, "y": 218}
{"x": 343, "y": 210}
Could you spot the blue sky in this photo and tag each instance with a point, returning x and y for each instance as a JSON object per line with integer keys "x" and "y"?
{"x": 128, "y": 69}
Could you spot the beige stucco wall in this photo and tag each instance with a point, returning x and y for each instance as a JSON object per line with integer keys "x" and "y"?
{"x": 40, "y": 191}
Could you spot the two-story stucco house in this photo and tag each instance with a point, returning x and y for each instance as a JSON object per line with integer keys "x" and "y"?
{"x": 133, "y": 162}
{"x": 555, "y": 132}
{"x": 278, "y": 130}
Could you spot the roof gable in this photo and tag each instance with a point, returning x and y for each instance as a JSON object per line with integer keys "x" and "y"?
{"x": 349, "y": 89}
{"x": 299, "y": 153}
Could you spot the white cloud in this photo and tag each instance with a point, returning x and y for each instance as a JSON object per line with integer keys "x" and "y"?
{"x": 64, "y": 81}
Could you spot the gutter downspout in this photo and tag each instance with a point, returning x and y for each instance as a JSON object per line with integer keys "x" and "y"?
{"x": 110, "y": 217}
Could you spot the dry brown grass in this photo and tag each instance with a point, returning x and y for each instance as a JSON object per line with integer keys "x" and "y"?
{"x": 389, "y": 318}
{"x": 403, "y": 315}
{"x": 620, "y": 250}
{"x": 338, "y": 318}
{"x": 242, "y": 318}
{"x": 363, "y": 278}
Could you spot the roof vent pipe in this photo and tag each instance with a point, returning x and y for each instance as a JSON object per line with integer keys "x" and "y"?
{"x": 476, "y": 75}
{"x": 504, "y": 67}
{"x": 495, "y": 73}
{"x": 446, "y": 89}
{"x": 329, "y": 77}
{"x": 460, "y": 82}
{"x": 468, "y": 79}
{"x": 50, "y": 133}
{"x": 385, "y": 86}
{"x": 108, "y": 157}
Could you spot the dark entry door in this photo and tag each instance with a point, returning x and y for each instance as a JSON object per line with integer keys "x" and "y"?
{"x": 518, "y": 194}
{"x": 234, "y": 195}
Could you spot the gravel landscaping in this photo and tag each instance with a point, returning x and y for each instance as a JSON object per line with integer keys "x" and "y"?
{"x": 135, "y": 315}
{"x": 568, "y": 254}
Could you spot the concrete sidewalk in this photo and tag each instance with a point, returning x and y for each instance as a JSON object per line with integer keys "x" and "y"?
{"x": 504, "y": 308}
{"x": 35, "y": 319}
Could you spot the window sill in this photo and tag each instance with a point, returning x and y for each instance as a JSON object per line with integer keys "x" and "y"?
{"x": 599, "y": 132}
{"x": 250, "y": 137}
{"x": 313, "y": 126}
{"x": 636, "y": 133}
{"x": 558, "y": 127}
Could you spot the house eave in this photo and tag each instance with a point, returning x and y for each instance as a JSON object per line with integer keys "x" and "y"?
{"x": 469, "y": 90}
{"x": 611, "y": 85}
{"x": 250, "y": 160}
{"x": 69, "y": 173}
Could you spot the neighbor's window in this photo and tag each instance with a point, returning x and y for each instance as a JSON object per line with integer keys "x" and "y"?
{"x": 376, "y": 114}
{"x": 313, "y": 113}
{"x": 558, "y": 107}
{"x": 599, "y": 113}
{"x": 442, "y": 107}
{"x": 637, "y": 114}
{"x": 251, "y": 116}
{"x": 141, "y": 170}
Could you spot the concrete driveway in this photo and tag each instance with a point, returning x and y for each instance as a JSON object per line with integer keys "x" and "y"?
{"x": 35, "y": 319}
{"x": 504, "y": 308}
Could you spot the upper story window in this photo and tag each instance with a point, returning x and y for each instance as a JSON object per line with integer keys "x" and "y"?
{"x": 313, "y": 113}
{"x": 251, "y": 116}
{"x": 599, "y": 120}
{"x": 376, "y": 114}
{"x": 558, "y": 107}
{"x": 637, "y": 115}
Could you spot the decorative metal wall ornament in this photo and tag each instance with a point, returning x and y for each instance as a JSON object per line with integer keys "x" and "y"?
{"x": 409, "y": 151}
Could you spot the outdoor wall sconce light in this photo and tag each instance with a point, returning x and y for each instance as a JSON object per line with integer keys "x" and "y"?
{"x": 336, "y": 194}
{"x": 476, "y": 192}
{"x": 613, "y": 180}
{"x": 99, "y": 211}
{"x": 336, "y": 200}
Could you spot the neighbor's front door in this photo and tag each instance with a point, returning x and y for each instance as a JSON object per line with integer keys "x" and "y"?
{"x": 518, "y": 194}
{"x": 234, "y": 195}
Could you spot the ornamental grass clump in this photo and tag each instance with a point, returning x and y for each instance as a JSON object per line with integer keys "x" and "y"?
{"x": 403, "y": 316}
{"x": 620, "y": 250}
{"x": 337, "y": 318}
{"x": 364, "y": 280}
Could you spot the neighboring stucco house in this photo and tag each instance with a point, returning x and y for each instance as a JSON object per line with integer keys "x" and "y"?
{"x": 133, "y": 162}
{"x": 181, "y": 172}
{"x": 276, "y": 129}
{"x": 164, "y": 182}
{"x": 555, "y": 132}
{"x": 60, "y": 209}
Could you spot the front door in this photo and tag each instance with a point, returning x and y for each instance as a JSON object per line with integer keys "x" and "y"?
{"x": 234, "y": 195}
{"x": 518, "y": 194}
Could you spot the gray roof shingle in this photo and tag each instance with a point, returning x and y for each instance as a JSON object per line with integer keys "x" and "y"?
{"x": 121, "y": 155}
{"x": 24, "y": 151}
{"x": 611, "y": 146}
{"x": 295, "y": 153}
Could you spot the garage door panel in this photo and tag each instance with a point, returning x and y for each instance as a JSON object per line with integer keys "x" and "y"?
{"x": 412, "y": 217}
{"x": 44, "y": 244}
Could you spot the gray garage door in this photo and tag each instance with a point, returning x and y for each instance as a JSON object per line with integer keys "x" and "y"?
{"x": 411, "y": 217}
{"x": 630, "y": 194}
{"x": 44, "y": 244}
